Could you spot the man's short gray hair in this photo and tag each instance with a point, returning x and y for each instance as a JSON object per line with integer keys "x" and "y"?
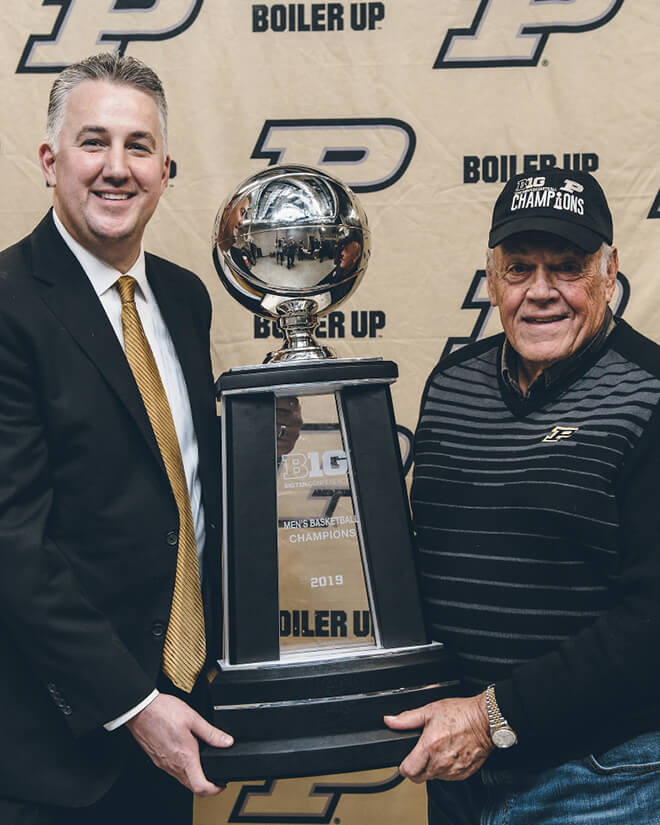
{"x": 605, "y": 257}
{"x": 110, "y": 67}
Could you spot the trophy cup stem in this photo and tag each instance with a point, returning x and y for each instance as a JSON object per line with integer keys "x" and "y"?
{"x": 298, "y": 320}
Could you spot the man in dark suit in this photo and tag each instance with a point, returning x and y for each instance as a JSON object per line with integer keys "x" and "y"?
{"x": 109, "y": 490}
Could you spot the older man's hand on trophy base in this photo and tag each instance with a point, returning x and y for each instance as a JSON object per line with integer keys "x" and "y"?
{"x": 455, "y": 741}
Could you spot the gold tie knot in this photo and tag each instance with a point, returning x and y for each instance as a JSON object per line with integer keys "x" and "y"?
{"x": 126, "y": 286}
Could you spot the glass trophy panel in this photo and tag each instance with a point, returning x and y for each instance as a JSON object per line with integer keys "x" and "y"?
{"x": 322, "y": 587}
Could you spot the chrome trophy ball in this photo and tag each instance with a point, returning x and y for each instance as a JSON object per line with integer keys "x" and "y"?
{"x": 291, "y": 243}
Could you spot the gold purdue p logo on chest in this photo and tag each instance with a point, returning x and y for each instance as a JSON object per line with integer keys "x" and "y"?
{"x": 559, "y": 433}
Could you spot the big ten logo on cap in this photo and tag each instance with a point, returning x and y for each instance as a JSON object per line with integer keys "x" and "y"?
{"x": 368, "y": 154}
{"x": 81, "y": 27}
{"x": 515, "y": 32}
{"x": 360, "y": 323}
{"x": 532, "y": 193}
{"x": 317, "y": 17}
{"x": 497, "y": 168}
{"x": 486, "y": 321}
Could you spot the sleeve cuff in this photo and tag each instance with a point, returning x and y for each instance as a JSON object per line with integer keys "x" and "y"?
{"x": 125, "y": 717}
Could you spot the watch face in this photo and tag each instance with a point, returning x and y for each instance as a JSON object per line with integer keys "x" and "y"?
{"x": 504, "y": 738}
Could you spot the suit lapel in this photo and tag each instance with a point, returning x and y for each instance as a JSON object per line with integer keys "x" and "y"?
{"x": 71, "y": 297}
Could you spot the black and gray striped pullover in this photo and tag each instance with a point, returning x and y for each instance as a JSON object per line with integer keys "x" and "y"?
{"x": 538, "y": 526}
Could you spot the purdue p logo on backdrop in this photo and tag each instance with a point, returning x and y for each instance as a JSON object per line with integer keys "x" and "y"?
{"x": 368, "y": 153}
{"x": 515, "y": 32}
{"x": 307, "y": 801}
{"x": 82, "y": 26}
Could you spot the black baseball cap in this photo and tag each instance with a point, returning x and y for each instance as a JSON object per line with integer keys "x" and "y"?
{"x": 559, "y": 201}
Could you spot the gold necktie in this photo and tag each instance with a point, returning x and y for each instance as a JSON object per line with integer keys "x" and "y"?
{"x": 185, "y": 646}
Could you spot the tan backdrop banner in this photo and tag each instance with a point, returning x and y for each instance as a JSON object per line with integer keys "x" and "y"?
{"x": 425, "y": 107}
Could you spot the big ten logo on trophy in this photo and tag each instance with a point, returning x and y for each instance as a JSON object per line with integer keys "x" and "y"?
{"x": 317, "y": 17}
{"x": 486, "y": 322}
{"x": 369, "y": 153}
{"x": 81, "y": 27}
{"x": 515, "y": 32}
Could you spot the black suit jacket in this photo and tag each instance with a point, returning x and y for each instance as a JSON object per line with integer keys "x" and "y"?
{"x": 87, "y": 517}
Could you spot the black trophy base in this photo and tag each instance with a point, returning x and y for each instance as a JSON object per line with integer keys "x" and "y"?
{"x": 308, "y": 755}
{"x": 322, "y": 717}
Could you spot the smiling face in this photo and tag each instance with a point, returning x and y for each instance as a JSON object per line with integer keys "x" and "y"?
{"x": 109, "y": 170}
{"x": 551, "y": 297}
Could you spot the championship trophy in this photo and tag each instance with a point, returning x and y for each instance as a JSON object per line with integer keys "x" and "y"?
{"x": 323, "y": 626}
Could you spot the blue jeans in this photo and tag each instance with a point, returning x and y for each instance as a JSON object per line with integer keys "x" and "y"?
{"x": 618, "y": 787}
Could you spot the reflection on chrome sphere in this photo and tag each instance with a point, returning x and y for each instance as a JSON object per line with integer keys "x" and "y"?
{"x": 291, "y": 241}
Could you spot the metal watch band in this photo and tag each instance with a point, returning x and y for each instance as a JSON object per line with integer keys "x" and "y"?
{"x": 495, "y": 717}
{"x": 501, "y": 733}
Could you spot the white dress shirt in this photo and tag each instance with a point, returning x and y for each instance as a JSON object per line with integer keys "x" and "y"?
{"x": 103, "y": 278}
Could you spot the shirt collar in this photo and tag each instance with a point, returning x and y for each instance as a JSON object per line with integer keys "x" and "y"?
{"x": 509, "y": 361}
{"x": 102, "y": 275}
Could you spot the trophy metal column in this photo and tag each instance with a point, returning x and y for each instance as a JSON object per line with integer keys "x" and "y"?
{"x": 323, "y": 627}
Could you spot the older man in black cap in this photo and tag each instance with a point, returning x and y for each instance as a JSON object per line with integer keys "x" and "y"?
{"x": 534, "y": 500}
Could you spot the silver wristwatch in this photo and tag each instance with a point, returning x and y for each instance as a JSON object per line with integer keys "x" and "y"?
{"x": 502, "y": 735}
